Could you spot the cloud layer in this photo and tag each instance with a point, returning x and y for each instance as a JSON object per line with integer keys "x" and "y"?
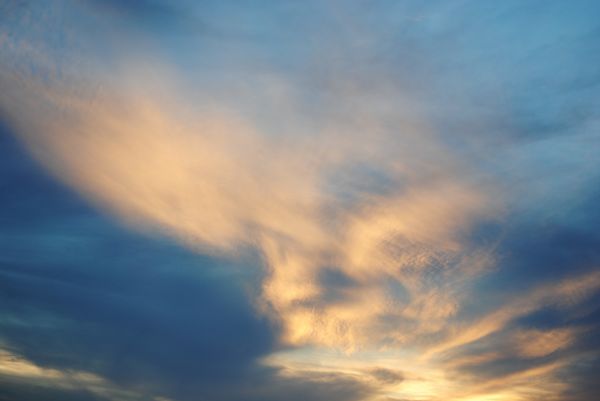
{"x": 382, "y": 176}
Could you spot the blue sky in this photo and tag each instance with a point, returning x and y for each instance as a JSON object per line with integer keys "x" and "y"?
{"x": 386, "y": 200}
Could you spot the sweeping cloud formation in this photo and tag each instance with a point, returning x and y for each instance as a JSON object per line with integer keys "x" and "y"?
{"x": 415, "y": 209}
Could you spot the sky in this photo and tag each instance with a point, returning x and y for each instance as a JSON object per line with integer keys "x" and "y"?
{"x": 299, "y": 200}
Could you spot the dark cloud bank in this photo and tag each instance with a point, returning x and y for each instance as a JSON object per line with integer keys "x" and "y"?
{"x": 73, "y": 298}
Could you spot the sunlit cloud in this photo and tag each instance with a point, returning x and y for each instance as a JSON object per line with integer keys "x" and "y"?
{"x": 362, "y": 212}
{"x": 22, "y": 371}
{"x": 217, "y": 182}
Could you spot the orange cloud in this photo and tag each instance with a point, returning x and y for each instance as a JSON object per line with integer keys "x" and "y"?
{"x": 216, "y": 181}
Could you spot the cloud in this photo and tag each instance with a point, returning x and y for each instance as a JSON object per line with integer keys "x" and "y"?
{"x": 537, "y": 343}
{"x": 217, "y": 180}
{"x": 367, "y": 194}
{"x": 23, "y": 379}
{"x": 386, "y": 376}
{"x": 91, "y": 312}
{"x": 563, "y": 294}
